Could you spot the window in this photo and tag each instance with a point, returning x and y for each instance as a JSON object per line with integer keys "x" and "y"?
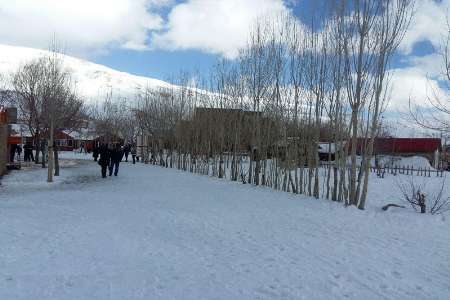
{"x": 61, "y": 142}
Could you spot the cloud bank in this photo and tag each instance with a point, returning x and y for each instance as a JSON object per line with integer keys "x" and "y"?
{"x": 219, "y": 26}
{"x": 89, "y": 27}
{"x": 428, "y": 24}
{"x": 84, "y": 26}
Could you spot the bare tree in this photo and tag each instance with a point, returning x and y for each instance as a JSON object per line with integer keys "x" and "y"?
{"x": 47, "y": 101}
{"x": 415, "y": 195}
{"x": 375, "y": 29}
{"x": 6, "y": 96}
{"x": 266, "y": 113}
{"x": 434, "y": 114}
{"x": 26, "y": 82}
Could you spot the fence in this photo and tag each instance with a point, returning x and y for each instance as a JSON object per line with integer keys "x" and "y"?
{"x": 395, "y": 170}
{"x": 407, "y": 170}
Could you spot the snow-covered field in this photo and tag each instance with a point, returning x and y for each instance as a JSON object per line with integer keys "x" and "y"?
{"x": 155, "y": 233}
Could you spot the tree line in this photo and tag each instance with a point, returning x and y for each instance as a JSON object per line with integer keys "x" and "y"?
{"x": 265, "y": 113}
{"x": 259, "y": 118}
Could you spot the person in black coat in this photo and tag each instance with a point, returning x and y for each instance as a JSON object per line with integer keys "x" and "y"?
{"x": 19, "y": 150}
{"x": 28, "y": 152}
{"x": 133, "y": 153}
{"x": 105, "y": 158}
{"x": 126, "y": 151}
{"x": 116, "y": 158}
{"x": 12, "y": 152}
{"x": 95, "y": 152}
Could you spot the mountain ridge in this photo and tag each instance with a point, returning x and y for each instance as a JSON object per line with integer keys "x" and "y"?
{"x": 93, "y": 81}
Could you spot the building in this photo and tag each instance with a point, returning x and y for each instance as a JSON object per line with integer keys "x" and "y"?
{"x": 327, "y": 151}
{"x": 69, "y": 140}
{"x": 8, "y": 116}
{"x": 66, "y": 140}
{"x": 429, "y": 148}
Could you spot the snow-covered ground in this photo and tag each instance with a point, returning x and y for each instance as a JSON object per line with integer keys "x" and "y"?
{"x": 156, "y": 233}
{"x": 415, "y": 162}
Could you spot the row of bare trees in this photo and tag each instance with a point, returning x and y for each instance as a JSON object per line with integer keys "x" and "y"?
{"x": 292, "y": 86}
{"x": 265, "y": 113}
{"x": 113, "y": 118}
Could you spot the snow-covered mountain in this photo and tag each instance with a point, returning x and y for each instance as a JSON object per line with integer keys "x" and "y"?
{"x": 92, "y": 80}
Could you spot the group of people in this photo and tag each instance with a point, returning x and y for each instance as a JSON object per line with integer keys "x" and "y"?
{"x": 13, "y": 150}
{"x": 16, "y": 152}
{"x": 28, "y": 152}
{"x": 109, "y": 157}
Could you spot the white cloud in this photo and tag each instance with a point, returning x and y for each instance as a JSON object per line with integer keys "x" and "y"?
{"x": 428, "y": 24}
{"x": 416, "y": 82}
{"x": 82, "y": 26}
{"x": 430, "y": 65}
{"x": 215, "y": 26}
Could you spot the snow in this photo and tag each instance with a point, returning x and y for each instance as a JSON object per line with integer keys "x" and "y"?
{"x": 20, "y": 130}
{"x": 156, "y": 233}
{"x": 416, "y": 162}
{"x": 93, "y": 81}
{"x": 82, "y": 134}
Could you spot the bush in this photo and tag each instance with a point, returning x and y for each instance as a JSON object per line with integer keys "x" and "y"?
{"x": 414, "y": 194}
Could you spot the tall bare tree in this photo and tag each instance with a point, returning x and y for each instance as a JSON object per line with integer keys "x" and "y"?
{"x": 47, "y": 101}
{"x": 434, "y": 113}
{"x": 374, "y": 30}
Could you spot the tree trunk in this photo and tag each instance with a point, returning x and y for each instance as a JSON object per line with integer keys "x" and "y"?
{"x": 56, "y": 157}
{"x": 38, "y": 146}
{"x": 50, "y": 154}
{"x": 354, "y": 121}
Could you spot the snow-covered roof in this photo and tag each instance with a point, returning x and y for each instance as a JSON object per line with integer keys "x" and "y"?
{"x": 327, "y": 147}
{"x": 82, "y": 134}
{"x": 20, "y": 130}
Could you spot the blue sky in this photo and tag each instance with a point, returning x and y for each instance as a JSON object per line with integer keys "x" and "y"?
{"x": 163, "y": 64}
{"x": 160, "y": 38}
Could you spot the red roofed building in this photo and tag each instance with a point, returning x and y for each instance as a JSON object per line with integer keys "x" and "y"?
{"x": 426, "y": 147}
{"x": 404, "y": 146}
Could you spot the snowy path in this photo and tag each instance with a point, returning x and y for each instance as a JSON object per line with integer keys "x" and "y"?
{"x": 155, "y": 233}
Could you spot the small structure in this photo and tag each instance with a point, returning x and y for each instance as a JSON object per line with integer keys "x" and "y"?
{"x": 425, "y": 147}
{"x": 8, "y": 116}
{"x": 327, "y": 151}
{"x": 64, "y": 140}
{"x": 69, "y": 140}
{"x": 21, "y": 133}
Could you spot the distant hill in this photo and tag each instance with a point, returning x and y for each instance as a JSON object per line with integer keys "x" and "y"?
{"x": 93, "y": 80}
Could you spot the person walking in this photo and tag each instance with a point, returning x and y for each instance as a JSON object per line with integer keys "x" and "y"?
{"x": 133, "y": 153}
{"x": 116, "y": 158}
{"x": 12, "y": 152}
{"x": 126, "y": 150}
{"x": 19, "y": 151}
{"x": 28, "y": 152}
{"x": 95, "y": 152}
{"x": 105, "y": 158}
